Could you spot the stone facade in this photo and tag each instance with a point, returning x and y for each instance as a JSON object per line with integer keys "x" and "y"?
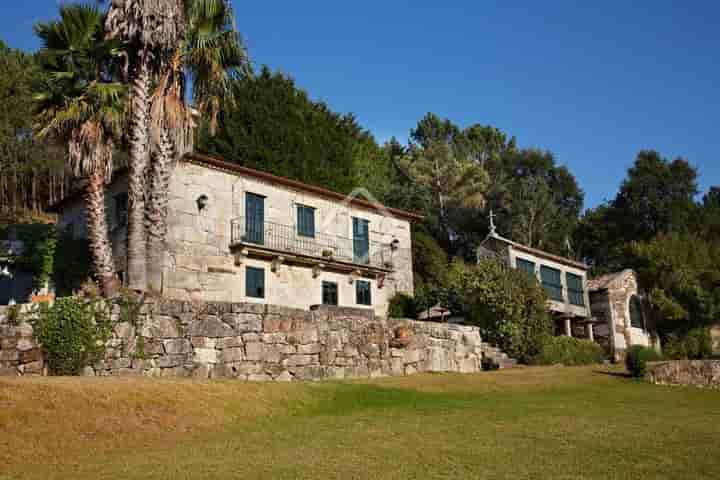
{"x": 267, "y": 343}
{"x": 610, "y": 301}
{"x": 203, "y": 261}
{"x": 699, "y": 373}
{"x": 19, "y": 352}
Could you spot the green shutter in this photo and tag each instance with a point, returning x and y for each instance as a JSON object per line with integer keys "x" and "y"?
{"x": 255, "y": 282}
{"x": 576, "y": 294}
{"x": 305, "y": 221}
{"x": 363, "y": 292}
{"x": 526, "y": 266}
{"x": 551, "y": 281}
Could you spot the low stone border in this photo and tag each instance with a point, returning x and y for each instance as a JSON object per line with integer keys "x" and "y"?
{"x": 699, "y": 373}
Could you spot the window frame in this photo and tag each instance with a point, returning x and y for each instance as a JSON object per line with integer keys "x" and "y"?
{"x": 573, "y": 293}
{"x": 300, "y": 222}
{"x": 636, "y": 301}
{"x": 260, "y": 272}
{"x": 359, "y": 294}
{"x": 527, "y": 263}
{"x": 554, "y": 290}
{"x": 325, "y": 284}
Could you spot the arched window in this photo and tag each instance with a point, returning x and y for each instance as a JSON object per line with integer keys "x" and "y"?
{"x": 636, "y": 313}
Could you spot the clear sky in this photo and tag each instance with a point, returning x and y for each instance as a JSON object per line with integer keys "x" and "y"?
{"x": 593, "y": 84}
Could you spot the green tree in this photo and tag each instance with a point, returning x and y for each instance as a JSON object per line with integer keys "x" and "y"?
{"x": 82, "y": 105}
{"x": 274, "y": 126}
{"x": 31, "y": 170}
{"x": 537, "y": 201}
{"x": 507, "y": 305}
{"x": 682, "y": 273}
{"x": 210, "y": 56}
{"x": 656, "y": 198}
{"x": 151, "y": 31}
{"x": 438, "y": 163}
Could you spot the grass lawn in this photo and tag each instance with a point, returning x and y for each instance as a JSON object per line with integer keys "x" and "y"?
{"x": 559, "y": 423}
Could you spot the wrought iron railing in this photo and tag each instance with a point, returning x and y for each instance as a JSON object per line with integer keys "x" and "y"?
{"x": 286, "y": 238}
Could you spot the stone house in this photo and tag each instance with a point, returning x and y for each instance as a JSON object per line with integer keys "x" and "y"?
{"x": 620, "y": 311}
{"x": 564, "y": 280}
{"x": 237, "y": 234}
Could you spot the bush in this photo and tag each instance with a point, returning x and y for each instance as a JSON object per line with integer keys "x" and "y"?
{"x": 695, "y": 344}
{"x": 569, "y": 351}
{"x": 402, "y": 305}
{"x": 507, "y": 305}
{"x": 637, "y": 357}
{"x": 73, "y": 332}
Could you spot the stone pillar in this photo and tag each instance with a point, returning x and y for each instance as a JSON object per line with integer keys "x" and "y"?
{"x": 590, "y": 333}
{"x": 568, "y": 327}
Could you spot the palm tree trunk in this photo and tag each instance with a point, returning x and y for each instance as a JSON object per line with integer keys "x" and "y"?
{"x": 156, "y": 210}
{"x": 97, "y": 228}
{"x": 138, "y": 165}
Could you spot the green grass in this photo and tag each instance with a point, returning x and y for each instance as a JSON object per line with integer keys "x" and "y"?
{"x": 560, "y": 423}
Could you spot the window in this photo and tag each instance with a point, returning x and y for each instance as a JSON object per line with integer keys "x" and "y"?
{"x": 255, "y": 282}
{"x": 526, "y": 266}
{"x": 576, "y": 294}
{"x": 329, "y": 293}
{"x": 361, "y": 240}
{"x": 305, "y": 221}
{"x": 636, "y": 313}
{"x": 254, "y": 218}
{"x": 121, "y": 209}
{"x": 551, "y": 282}
{"x": 362, "y": 292}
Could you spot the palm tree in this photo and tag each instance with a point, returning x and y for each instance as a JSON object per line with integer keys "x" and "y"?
{"x": 210, "y": 57}
{"x": 81, "y": 105}
{"x": 151, "y": 31}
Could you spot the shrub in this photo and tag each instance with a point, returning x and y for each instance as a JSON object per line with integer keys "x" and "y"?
{"x": 695, "y": 344}
{"x": 507, "y": 305}
{"x": 637, "y": 357}
{"x": 402, "y": 306}
{"x": 569, "y": 351}
{"x": 73, "y": 332}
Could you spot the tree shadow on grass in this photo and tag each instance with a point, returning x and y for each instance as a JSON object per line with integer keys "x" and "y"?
{"x": 613, "y": 374}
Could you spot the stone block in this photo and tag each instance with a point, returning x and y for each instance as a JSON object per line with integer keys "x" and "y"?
{"x": 9, "y": 371}
{"x": 275, "y": 338}
{"x": 254, "y": 351}
{"x": 182, "y": 280}
{"x": 303, "y": 336}
{"x": 161, "y": 326}
{"x": 284, "y": 376}
{"x": 169, "y": 361}
{"x": 251, "y": 337}
{"x": 245, "y": 322}
{"x": 259, "y": 377}
{"x": 229, "y": 342}
{"x": 124, "y": 330}
{"x": 204, "y": 342}
{"x": 232, "y": 355}
{"x": 412, "y": 356}
{"x": 309, "y": 349}
{"x": 177, "y": 346}
{"x": 210, "y": 326}
{"x": 299, "y": 360}
{"x": 36, "y": 368}
{"x": 205, "y": 355}
{"x": 28, "y": 356}
{"x": 9, "y": 355}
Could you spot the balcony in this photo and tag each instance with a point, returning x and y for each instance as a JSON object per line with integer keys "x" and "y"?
{"x": 274, "y": 239}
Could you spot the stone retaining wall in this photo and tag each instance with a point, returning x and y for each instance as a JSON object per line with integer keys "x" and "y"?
{"x": 701, "y": 373}
{"x": 265, "y": 342}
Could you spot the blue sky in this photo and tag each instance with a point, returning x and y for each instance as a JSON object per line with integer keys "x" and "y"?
{"x": 593, "y": 84}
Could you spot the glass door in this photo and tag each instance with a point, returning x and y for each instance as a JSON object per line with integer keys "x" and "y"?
{"x": 361, "y": 240}
{"x": 254, "y": 218}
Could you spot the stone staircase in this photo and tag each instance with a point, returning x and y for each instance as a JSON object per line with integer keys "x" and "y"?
{"x": 492, "y": 355}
